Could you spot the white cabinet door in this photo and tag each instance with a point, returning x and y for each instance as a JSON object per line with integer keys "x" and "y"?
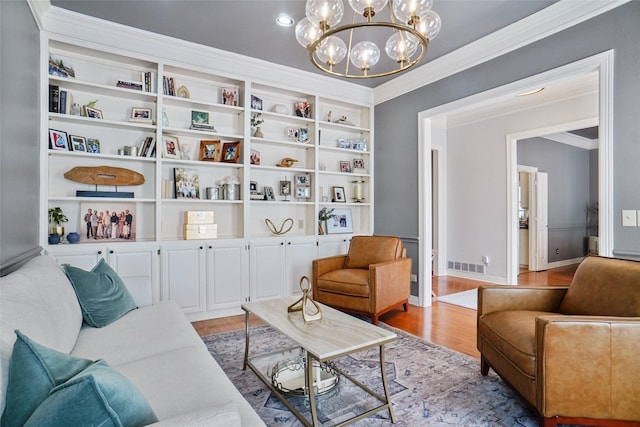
{"x": 226, "y": 274}
{"x": 81, "y": 256}
{"x": 300, "y": 255}
{"x": 183, "y": 278}
{"x": 267, "y": 268}
{"x": 138, "y": 267}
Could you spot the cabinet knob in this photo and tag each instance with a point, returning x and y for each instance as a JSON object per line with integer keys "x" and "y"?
{"x": 99, "y": 252}
{"x": 111, "y": 251}
{"x": 201, "y": 247}
{"x": 281, "y": 243}
{"x": 288, "y": 243}
{"x": 210, "y": 247}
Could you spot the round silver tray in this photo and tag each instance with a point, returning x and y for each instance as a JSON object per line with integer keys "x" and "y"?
{"x": 289, "y": 377}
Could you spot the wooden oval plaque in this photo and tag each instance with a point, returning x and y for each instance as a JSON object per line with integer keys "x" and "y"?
{"x": 104, "y": 175}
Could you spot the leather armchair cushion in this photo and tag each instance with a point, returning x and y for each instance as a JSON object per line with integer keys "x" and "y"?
{"x": 367, "y": 250}
{"x": 604, "y": 287}
{"x": 353, "y": 282}
{"x": 513, "y": 334}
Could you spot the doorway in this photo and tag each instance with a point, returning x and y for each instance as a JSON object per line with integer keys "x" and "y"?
{"x": 432, "y": 132}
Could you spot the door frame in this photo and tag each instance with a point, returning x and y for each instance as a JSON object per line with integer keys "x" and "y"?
{"x": 432, "y": 132}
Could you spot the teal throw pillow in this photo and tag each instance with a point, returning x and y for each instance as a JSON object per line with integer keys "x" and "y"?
{"x": 102, "y": 294}
{"x": 97, "y": 396}
{"x": 33, "y": 371}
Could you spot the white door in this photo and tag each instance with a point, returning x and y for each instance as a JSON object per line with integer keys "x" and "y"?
{"x": 267, "y": 270}
{"x": 226, "y": 274}
{"x": 538, "y": 222}
{"x": 183, "y": 275}
{"x": 300, "y": 256}
{"x": 138, "y": 268}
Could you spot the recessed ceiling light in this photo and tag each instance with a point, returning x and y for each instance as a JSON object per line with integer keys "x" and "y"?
{"x": 284, "y": 20}
{"x": 531, "y": 92}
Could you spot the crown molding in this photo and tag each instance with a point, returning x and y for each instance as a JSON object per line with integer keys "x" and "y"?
{"x": 70, "y": 26}
{"x": 548, "y": 21}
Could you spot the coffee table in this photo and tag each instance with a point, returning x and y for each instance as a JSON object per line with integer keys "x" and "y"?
{"x": 335, "y": 335}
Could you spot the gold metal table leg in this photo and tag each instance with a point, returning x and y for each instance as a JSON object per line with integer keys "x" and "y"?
{"x": 309, "y": 384}
{"x": 384, "y": 383}
{"x": 246, "y": 341}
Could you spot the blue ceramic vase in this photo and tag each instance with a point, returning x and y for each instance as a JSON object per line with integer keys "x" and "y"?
{"x": 54, "y": 239}
{"x": 73, "y": 237}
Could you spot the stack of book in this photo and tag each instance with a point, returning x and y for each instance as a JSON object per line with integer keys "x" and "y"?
{"x": 202, "y": 126}
{"x": 59, "y": 100}
{"x": 168, "y": 86}
{"x": 130, "y": 84}
{"x": 147, "y": 148}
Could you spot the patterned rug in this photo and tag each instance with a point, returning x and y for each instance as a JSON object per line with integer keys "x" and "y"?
{"x": 430, "y": 385}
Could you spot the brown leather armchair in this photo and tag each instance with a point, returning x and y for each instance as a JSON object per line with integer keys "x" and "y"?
{"x": 373, "y": 278}
{"x": 573, "y": 353}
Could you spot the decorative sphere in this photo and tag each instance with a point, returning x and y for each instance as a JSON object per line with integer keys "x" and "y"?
{"x": 406, "y": 9}
{"x": 54, "y": 239}
{"x": 307, "y": 32}
{"x": 332, "y": 50}
{"x": 73, "y": 237}
{"x": 401, "y": 46}
{"x": 365, "y": 55}
{"x": 327, "y": 11}
{"x": 430, "y": 25}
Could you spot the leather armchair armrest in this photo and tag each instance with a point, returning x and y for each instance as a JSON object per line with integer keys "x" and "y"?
{"x": 588, "y": 366}
{"x": 390, "y": 281}
{"x": 324, "y": 265}
{"x": 531, "y": 298}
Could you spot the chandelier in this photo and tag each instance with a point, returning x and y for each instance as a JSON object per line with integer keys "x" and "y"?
{"x": 410, "y": 26}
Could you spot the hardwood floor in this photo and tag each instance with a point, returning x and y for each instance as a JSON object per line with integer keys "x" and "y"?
{"x": 444, "y": 324}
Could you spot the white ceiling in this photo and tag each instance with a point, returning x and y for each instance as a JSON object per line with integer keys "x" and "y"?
{"x": 248, "y": 27}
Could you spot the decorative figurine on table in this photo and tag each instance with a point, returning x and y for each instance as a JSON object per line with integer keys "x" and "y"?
{"x": 301, "y": 304}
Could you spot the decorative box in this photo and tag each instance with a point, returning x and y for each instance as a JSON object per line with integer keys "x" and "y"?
{"x": 200, "y": 231}
{"x": 198, "y": 217}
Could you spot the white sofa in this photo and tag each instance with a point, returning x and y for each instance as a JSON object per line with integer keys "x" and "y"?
{"x": 155, "y": 347}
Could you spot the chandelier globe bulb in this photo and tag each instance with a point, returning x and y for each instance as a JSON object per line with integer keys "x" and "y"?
{"x": 411, "y": 12}
{"x": 401, "y": 46}
{"x": 307, "y": 32}
{"x": 364, "y": 55}
{"x": 325, "y": 13}
{"x": 430, "y": 25}
{"x": 331, "y": 51}
{"x": 367, "y": 8}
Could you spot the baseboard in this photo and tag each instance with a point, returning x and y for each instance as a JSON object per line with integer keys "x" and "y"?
{"x": 479, "y": 277}
{"x": 564, "y": 262}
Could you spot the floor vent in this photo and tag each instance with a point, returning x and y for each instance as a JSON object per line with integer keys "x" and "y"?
{"x": 464, "y": 266}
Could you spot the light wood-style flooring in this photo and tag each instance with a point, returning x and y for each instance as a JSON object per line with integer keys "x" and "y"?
{"x": 448, "y": 325}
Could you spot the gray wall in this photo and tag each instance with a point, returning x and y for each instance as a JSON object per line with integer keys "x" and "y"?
{"x": 568, "y": 170}
{"x": 19, "y": 130}
{"x": 396, "y": 124}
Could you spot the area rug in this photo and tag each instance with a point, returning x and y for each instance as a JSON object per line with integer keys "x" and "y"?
{"x": 430, "y": 385}
{"x": 467, "y": 299}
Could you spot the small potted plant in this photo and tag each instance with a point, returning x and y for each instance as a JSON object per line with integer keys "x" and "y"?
{"x": 323, "y": 216}
{"x": 56, "y": 219}
{"x": 256, "y": 121}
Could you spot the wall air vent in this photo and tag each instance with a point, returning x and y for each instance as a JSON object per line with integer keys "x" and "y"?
{"x": 464, "y": 266}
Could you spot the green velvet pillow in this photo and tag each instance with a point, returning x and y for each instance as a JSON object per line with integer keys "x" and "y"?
{"x": 102, "y": 294}
{"x": 97, "y": 396}
{"x": 33, "y": 371}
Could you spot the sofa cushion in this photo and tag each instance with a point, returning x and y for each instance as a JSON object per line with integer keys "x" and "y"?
{"x": 367, "y": 250}
{"x": 97, "y": 396}
{"x": 345, "y": 281}
{"x": 513, "y": 334}
{"x": 33, "y": 371}
{"x": 604, "y": 287}
{"x": 102, "y": 294}
{"x": 38, "y": 300}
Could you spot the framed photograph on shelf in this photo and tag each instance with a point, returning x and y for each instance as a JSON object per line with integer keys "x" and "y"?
{"x": 268, "y": 193}
{"x": 285, "y": 188}
{"x": 210, "y": 150}
{"x": 58, "y": 140}
{"x": 302, "y": 179}
{"x": 302, "y": 192}
{"x": 93, "y": 145}
{"x": 187, "y": 183}
{"x": 230, "y": 96}
{"x": 358, "y": 164}
{"x": 345, "y": 166}
{"x": 256, "y": 103}
{"x": 170, "y": 147}
{"x": 113, "y": 221}
{"x": 92, "y": 113}
{"x": 338, "y": 195}
{"x": 255, "y": 157}
{"x": 341, "y": 222}
{"x": 302, "y": 109}
{"x": 141, "y": 115}
{"x": 230, "y": 152}
{"x": 78, "y": 143}
{"x": 253, "y": 187}
{"x": 199, "y": 117}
